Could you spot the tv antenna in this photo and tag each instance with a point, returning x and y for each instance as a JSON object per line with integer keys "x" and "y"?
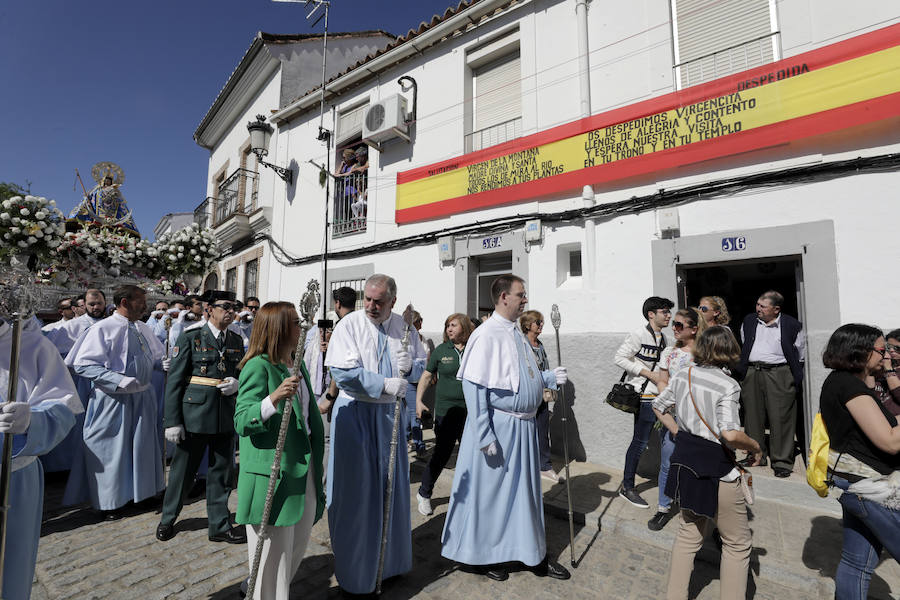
{"x": 315, "y": 15}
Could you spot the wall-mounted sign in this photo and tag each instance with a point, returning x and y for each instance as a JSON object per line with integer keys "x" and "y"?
{"x": 734, "y": 244}
{"x": 492, "y": 242}
{"x": 843, "y": 85}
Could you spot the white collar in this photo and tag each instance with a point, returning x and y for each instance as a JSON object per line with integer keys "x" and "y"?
{"x": 777, "y": 322}
{"x": 215, "y": 330}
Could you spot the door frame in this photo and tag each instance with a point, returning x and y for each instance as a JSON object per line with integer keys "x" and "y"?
{"x": 813, "y": 242}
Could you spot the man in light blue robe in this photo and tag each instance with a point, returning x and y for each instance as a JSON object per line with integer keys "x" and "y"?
{"x": 64, "y": 337}
{"x": 368, "y": 362}
{"x": 496, "y": 512}
{"x": 121, "y": 461}
{"x": 42, "y": 415}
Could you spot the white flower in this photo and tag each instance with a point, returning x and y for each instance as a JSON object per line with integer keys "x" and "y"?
{"x": 40, "y": 222}
{"x": 31, "y": 239}
{"x": 24, "y": 212}
{"x": 39, "y": 234}
{"x": 16, "y": 220}
{"x": 22, "y": 244}
{"x": 4, "y": 216}
{"x": 172, "y": 257}
{"x": 7, "y": 235}
{"x": 193, "y": 251}
{"x": 197, "y": 259}
{"x": 7, "y": 203}
{"x": 181, "y": 255}
{"x": 40, "y": 215}
{"x": 15, "y": 230}
{"x": 181, "y": 248}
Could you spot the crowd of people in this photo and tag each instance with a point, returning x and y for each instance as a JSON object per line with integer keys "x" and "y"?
{"x": 112, "y": 395}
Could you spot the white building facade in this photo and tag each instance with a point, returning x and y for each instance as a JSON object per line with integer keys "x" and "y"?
{"x": 605, "y": 152}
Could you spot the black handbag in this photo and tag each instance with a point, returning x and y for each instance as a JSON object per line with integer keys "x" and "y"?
{"x": 623, "y": 396}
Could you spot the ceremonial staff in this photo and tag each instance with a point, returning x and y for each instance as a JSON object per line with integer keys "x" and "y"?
{"x": 167, "y": 324}
{"x": 389, "y": 494}
{"x": 308, "y": 305}
{"x": 8, "y": 438}
{"x": 556, "y": 320}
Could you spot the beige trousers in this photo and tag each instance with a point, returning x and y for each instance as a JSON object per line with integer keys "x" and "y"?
{"x": 731, "y": 519}
{"x": 283, "y": 551}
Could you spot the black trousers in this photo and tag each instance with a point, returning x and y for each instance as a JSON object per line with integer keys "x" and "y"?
{"x": 185, "y": 461}
{"x": 448, "y": 430}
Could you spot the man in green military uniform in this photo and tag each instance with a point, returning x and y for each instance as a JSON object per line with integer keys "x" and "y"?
{"x": 200, "y": 395}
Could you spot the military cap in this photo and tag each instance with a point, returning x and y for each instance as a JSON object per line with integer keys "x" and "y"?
{"x": 213, "y": 296}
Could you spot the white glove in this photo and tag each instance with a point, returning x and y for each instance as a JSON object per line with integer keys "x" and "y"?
{"x": 561, "y": 375}
{"x": 229, "y": 386}
{"x": 174, "y": 312}
{"x": 128, "y": 384}
{"x": 404, "y": 361}
{"x": 156, "y": 314}
{"x": 245, "y": 314}
{"x": 166, "y": 363}
{"x": 183, "y": 315}
{"x": 393, "y": 385}
{"x": 490, "y": 449}
{"x": 15, "y": 418}
{"x": 174, "y": 434}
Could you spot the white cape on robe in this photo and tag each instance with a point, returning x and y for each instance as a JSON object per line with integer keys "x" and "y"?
{"x": 490, "y": 359}
{"x": 354, "y": 343}
{"x": 43, "y": 378}
{"x": 106, "y": 344}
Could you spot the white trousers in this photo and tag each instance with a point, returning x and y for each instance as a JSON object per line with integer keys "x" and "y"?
{"x": 283, "y": 551}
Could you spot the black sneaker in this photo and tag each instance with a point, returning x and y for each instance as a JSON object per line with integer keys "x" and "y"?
{"x": 659, "y": 520}
{"x": 633, "y": 497}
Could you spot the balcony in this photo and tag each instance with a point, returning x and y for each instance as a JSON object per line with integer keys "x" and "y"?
{"x": 237, "y": 195}
{"x": 493, "y": 135}
{"x": 351, "y": 203}
{"x": 203, "y": 212}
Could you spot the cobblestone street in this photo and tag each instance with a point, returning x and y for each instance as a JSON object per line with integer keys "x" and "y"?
{"x": 82, "y": 557}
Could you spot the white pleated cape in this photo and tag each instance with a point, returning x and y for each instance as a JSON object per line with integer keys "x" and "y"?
{"x": 106, "y": 344}
{"x": 490, "y": 359}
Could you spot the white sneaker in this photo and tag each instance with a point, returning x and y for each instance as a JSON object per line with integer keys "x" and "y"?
{"x": 424, "y": 505}
{"x": 550, "y": 475}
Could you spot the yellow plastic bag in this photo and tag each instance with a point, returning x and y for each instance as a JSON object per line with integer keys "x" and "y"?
{"x": 817, "y": 467}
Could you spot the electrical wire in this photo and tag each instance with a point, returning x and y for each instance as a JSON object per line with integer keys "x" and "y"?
{"x": 608, "y": 211}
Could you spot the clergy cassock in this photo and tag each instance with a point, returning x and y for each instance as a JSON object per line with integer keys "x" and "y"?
{"x": 496, "y": 510}
{"x": 157, "y": 326}
{"x": 45, "y": 384}
{"x": 67, "y": 451}
{"x": 361, "y": 355}
{"x": 121, "y": 460}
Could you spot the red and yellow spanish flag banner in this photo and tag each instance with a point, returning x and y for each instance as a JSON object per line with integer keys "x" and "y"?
{"x": 842, "y": 85}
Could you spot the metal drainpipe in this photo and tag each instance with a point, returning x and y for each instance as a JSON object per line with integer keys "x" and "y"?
{"x": 587, "y": 192}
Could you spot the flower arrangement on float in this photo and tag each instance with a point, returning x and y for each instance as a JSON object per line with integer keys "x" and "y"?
{"x": 30, "y": 225}
{"x": 187, "y": 253}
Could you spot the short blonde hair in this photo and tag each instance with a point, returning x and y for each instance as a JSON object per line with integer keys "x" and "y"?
{"x": 718, "y": 303}
{"x": 528, "y": 318}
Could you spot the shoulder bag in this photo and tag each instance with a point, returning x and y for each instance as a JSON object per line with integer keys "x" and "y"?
{"x": 745, "y": 476}
{"x": 623, "y": 396}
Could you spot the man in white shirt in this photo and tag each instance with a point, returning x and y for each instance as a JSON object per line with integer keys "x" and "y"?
{"x": 771, "y": 370}
{"x": 64, "y": 307}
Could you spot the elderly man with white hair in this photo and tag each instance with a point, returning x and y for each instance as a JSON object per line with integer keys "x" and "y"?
{"x": 369, "y": 363}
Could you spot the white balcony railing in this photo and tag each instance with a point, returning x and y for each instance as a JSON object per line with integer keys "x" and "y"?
{"x": 493, "y": 135}
{"x": 351, "y": 203}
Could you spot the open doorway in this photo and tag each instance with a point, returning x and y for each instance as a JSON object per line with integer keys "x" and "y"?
{"x": 739, "y": 284}
{"x": 486, "y": 268}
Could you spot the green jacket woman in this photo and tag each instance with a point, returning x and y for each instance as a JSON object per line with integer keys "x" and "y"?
{"x": 299, "y": 500}
{"x": 303, "y": 451}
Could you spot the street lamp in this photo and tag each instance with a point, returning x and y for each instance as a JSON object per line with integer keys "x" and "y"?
{"x": 260, "y": 134}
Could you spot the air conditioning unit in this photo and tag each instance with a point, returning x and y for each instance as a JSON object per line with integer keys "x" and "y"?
{"x": 385, "y": 120}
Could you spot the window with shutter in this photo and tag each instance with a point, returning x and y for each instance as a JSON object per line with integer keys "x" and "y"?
{"x": 349, "y": 123}
{"x": 715, "y": 38}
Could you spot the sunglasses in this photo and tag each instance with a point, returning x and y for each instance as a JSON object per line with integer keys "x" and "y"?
{"x": 892, "y": 347}
{"x": 703, "y": 308}
{"x": 678, "y": 325}
{"x": 881, "y": 351}
{"x": 225, "y": 306}
{"x": 252, "y": 307}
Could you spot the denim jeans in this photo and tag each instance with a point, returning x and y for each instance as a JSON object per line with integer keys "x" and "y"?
{"x": 868, "y": 527}
{"x": 666, "y": 446}
{"x": 643, "y": 424}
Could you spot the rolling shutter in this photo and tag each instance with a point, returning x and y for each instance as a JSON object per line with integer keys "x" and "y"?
{"x": 350, "y": 123}
{"x": 498, "y": 92}
{"x": 719, "y": 37}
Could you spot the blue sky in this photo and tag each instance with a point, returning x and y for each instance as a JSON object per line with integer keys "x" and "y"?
{"x": 128, "y": 82}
